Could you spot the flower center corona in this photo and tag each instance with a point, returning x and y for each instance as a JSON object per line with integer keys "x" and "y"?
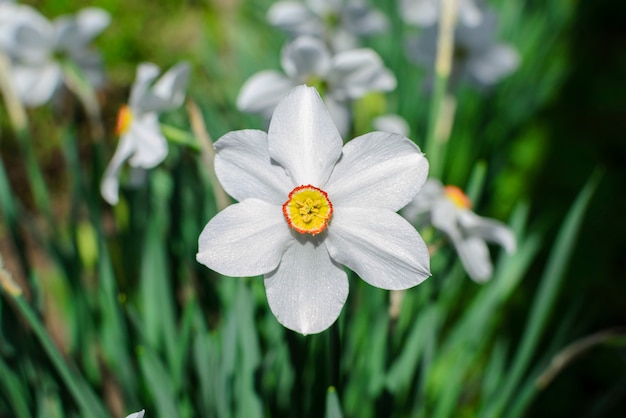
{"x": 308, "y": 210}
{"x": 457, "y": 197}
{"x": 124, "y": 119}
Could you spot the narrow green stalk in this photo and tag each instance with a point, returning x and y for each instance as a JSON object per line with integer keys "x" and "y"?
{"x": 334, "y": 350}
{"x": 8, "y": 207}
{"x": 36, "y": 177}
{"x": 207, "y": 151}
{"x": 180, "y": 137}
{"x": 80, "y": 85}
{"x": 16, "y": 111}
{"x": 546, "y": 295}
{"x": 80, "y": 390}
{"x": 437, "y": 134}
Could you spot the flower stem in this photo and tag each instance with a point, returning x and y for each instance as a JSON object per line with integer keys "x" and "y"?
{"x": 334, "y": 349}
{"x": 439, "y": 118}
{"x": 16, "y": 111}
{"x": 207, "y": 152}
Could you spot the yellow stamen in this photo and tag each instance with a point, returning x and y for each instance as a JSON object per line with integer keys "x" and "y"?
{"x": 308, "y": 210}
{"x": 124, "y": 119}
{"x": 457, "y": 197}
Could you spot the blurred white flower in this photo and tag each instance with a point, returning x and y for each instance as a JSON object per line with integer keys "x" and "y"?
{"x": 341, "y": 77}
{"x": 426, "y": 12}
{"x": 137, "y": 414}
{"x": 448, "y": 210}
{"x": 477, "y": 58}
{"x": 141, "y": 141}
{"x": 309, "y": 205}
{"x": 391, "y": 123}
{"x": 35, "y": 45}
{"x": 340, "y": 22}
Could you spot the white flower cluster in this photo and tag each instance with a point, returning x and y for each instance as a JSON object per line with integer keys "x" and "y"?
{"x": 324, "y": 53}
{"x": 37, "y": 48}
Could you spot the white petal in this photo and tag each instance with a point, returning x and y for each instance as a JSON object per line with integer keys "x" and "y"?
{"x": 303, "y": 137}
{"x": 325, "y": 7}
{"x": 92, "y": 21}
{"x": 422, "y": 204}
{"x": 487, "y": 229}
{"x": 340, "y": 112}
{"x": 167, "y": 93}
{"x": 245, "y": 239}
{"x": 262, "y": 92}
{"x": 474, "y": 256}
{"x": 151, "y": 146}
{"x": 109, "y": 188}
{"x": 419, "y": 12}
{"x": 245, "y": 170}
{"x": 391, "y": 123}
{"x": 444, "y": 216}
{"x": 36, "y": 85}
{"x": 357, "y": 72}
{"x": 494, "y": 64}
{"x": 469, "y": 13}
{"x": 380, "y": 246}
{"x": 137, "y": 414}
{"x": 146, "y": 74}
{"x": 294, "y": 18}
{"x": 378, "y": 169}
{"x": 308, "y": 290}
{"x": 358, "y": 17}
{"x": 305, "y": 57}
{"x": 32, "y": 36}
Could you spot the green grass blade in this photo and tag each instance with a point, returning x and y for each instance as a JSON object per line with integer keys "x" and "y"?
{"x": 333, "y": 407}
{"x": 14, "y": 391}
{"x": 546, "y": 294}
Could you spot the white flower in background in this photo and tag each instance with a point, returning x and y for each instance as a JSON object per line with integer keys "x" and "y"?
{"x": 308, "y": 206}
{"x": 391, "y": 123}
{"x": 137, "y": 414}
{"x": 448, "y": 210}
{"x": 141, "y": 141}
{"x": 426, "y": 12}
{"x": 340, "y": 22}
{"x": 477, "y": 58}
{"x": 341, "y": 77}
{"x": 34, "y": 45}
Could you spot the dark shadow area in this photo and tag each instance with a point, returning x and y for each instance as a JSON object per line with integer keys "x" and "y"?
{"x": 587, "y": 126}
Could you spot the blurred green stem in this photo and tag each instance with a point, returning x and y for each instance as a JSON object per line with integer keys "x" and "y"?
{"x": 178, "y": 136}
{"x": 19, "y": 121}
{"x": 78, "y": 83}
{"x": 80, "y": 390}
{"x": 207, "y": 151}
{"x": 16, "y": 111}
{"x": 441, "y": 105}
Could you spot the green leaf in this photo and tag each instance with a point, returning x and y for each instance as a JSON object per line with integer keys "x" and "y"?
{"x": 546, "y": 295}
{"x": 333, "y": 407}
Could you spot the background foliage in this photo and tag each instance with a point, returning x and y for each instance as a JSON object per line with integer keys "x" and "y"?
{"x": 129, "y": 320}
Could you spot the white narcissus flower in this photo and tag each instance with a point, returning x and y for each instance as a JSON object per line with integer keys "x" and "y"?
{"x": 426, "y": 12}
{"x": 477, "y": 58}
{"x": 448, "y": 210}
{"x": 33, "y": 44}
{"x": 307, "y": 206}
{"x": 139, "y": 414}
{"x": 141, "y": 141}
{"x": 340, "y": 22}
{"x": 343, "y": 77}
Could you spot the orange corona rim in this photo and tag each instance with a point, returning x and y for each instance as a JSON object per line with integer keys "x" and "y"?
{"x": 124, "y": 119}
{"x": 457, "y": 197}
{"x": 308, "y": 210}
